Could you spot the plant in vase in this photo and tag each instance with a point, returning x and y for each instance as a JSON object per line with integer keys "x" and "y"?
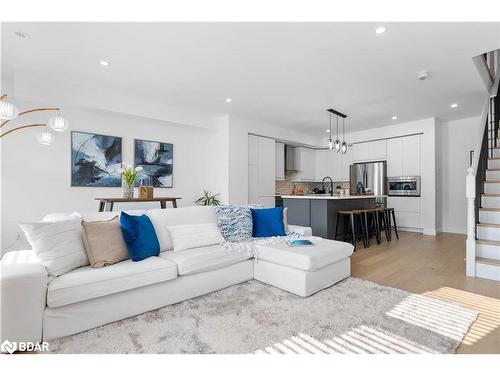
{"x": 208, "y": 199}
{"x": 129, "y": 176}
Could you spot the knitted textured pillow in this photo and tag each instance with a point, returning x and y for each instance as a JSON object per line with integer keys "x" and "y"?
{"x": 235, "y": 222}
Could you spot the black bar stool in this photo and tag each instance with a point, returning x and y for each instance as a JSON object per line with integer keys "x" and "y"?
{"x": 373, "y": 219}
{"x": 350, "y": 217}
{"x": 382, "y": 217}
{"x": 390, "y": 214}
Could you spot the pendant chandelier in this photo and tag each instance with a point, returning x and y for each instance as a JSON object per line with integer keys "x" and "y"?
{"x": 9, "y": 112}
{"x": 337, "y": 145}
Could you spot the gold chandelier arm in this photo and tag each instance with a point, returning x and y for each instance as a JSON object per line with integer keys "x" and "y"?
{"x": 3, "y": 96}
{"x": 31, "y": 110}
{"x": 21, "y": 127}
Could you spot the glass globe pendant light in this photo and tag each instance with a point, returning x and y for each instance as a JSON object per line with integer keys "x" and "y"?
{"x": 8, "y": 111}
{"x": 45, "y": 138}
{"x": 343, "y": 147}
{"x": 58, "y": 123}
{"x": 337, "y": 144}
{"x": 330, "y": 141}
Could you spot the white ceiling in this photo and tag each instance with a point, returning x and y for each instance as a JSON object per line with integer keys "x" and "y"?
{"x": 285, "y": 74}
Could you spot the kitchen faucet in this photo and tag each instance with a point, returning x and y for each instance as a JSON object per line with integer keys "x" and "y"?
{"x": 331, "y": 184}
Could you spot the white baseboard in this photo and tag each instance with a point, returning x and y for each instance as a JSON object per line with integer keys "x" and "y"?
{"x": 429, "y": 231}
{"x": 454, "y": 230}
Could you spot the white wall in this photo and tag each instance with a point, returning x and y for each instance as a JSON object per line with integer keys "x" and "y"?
{"x": 457, "y": 139}
{"x": 36, "y": 179}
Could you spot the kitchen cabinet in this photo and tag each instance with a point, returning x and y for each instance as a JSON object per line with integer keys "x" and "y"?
{"x": 411, "y": 155}
{"x": 261, "y": 170}
{"x": 407, "y": 211}
{"x": 322, "y": 164}
{"x": 369, "y": 151}
{"x": 280, "y": 161}
{"x": 347, "y": 160}
{"x": 305, "y": 163}
{"x": 333, "y": 164}
{"x": 403, "y": 156}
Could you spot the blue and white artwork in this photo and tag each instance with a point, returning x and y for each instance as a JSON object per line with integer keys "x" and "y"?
{"x": 95, "y": 160}
{"x": 157, "y": 161}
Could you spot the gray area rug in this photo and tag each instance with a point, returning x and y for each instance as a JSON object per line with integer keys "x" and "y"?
{"x": 353, "y": 316}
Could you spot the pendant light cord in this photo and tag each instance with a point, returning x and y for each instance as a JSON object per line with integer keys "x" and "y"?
{"x": 337, "y": 127}
{"x": 343, "y": 129}
{"x": 330, "y": 127}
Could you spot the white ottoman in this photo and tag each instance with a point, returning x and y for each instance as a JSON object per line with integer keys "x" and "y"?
{"x": 303, "y": 270}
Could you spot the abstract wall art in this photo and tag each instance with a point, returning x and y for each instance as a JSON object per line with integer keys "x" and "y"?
{"x": 95, "y": 160}
{"x": 157, "y": 160}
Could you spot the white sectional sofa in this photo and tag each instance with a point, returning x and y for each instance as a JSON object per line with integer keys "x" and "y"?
{"x": 37, "y": 307}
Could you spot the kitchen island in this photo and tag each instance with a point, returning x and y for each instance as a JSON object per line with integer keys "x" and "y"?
{"x": 320, "y": 211}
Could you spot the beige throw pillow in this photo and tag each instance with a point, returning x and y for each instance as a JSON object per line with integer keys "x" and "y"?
{"x": 104, "y": 242}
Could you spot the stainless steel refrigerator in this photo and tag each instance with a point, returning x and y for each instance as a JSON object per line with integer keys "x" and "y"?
{"x": 373, "y": 177}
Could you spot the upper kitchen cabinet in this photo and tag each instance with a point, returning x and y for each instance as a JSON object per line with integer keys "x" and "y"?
{"x": 280, "y": 161}
{"x": 403, "y": 156}
{"x": 347, "y": 160}
{"x": 369, "y": 151}
{"x": 322, "y": 164}
{"x": 261, "y": 170}
{"x": 333, "y": 164}
{"x": 305, "y": 163}
{"x": 411, "y": 155}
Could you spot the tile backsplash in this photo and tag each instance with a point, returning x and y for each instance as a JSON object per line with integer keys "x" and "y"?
{"x": 284, "y": 187}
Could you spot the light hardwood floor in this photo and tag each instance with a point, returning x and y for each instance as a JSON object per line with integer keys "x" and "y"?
{"x": 435, "y": 266}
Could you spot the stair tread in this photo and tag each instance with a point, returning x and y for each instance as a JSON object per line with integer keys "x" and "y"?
{"x": 489, "y": 209}
{"x": 492, "y": 169}
{"x": 494, "y": 158}
{"x": 490, "y": 195}
{"x": 489, "y": 225}
{"x": 491, "y": 181}
{"x": 488, "y": 242}
{"x": 492, "y": 262}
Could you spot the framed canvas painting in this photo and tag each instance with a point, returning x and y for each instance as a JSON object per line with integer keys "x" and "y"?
{"x": 157, "y": 161}
{"x": 95, "y": 160}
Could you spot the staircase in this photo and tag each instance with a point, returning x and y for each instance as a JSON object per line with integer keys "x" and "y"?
{"x": 483, "y": 181}
{"x": 487, "y": 262}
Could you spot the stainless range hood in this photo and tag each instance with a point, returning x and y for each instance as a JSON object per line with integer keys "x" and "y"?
{"x": 290, "y": 166}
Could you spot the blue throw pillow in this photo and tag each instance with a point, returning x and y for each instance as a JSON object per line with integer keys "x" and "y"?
{"x": 268, "y": 222}
{"x": 140, "y": 236}
{"x": 235, "y": 223}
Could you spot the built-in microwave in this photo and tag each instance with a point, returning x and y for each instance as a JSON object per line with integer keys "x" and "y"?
{"x": 404, "y": 186}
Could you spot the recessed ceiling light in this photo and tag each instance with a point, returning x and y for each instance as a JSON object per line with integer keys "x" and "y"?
{"x": 454, "y": 105}
{"x": 380, "y": 29}
{"x": 228, "y": 100}
{"x": 394, "y": 117}
{"x": 104, "y": 63}
{"x": 327, "y": 130}
{"x": 21, "y": 34}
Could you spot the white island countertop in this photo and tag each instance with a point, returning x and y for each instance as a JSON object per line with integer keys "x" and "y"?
{"x": 323, "y": 196}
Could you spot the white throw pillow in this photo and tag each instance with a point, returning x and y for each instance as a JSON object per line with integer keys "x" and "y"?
{"x": 163, "y": 218}
{"x": 190, "y": 236}
{"x": 62, "y": 216}
{"x": 58, "y": 245}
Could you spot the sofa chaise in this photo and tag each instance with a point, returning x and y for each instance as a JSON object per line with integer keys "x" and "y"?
{"x": 36, "y": 306}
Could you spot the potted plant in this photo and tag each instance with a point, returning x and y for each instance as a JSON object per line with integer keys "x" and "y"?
{"x": 129, "y": 176}
{"x": 208, "y": 199}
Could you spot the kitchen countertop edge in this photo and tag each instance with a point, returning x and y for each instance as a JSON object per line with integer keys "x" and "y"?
{"x": 331, "y": 197}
